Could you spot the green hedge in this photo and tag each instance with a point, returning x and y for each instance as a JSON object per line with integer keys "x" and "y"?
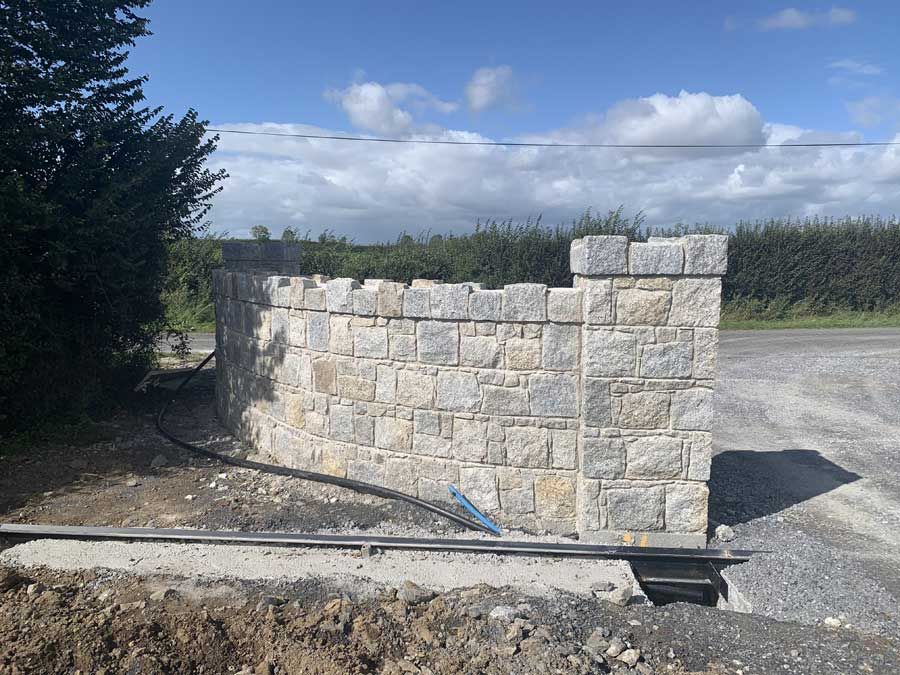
{"x": 776, "y": 269}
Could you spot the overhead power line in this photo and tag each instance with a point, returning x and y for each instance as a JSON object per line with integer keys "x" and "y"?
{"x": 511, "y": 144}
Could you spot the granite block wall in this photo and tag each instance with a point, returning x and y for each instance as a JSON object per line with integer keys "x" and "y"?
{"x": 584, "y": 410}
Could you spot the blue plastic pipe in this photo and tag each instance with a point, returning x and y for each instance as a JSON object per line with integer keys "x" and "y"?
{"x": 468, "y": 506}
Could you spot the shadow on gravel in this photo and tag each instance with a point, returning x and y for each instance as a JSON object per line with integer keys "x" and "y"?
{"x": 745, "y": 485}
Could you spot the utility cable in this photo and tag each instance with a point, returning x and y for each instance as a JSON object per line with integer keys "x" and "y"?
{"x": 515, "y": 144}
{"x": 358, "y": 486}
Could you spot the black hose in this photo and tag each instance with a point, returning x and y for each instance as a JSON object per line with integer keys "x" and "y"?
{"x": 358, "y": 486}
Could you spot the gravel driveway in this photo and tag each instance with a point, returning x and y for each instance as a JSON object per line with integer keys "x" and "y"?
{"x": 808, "y": 466}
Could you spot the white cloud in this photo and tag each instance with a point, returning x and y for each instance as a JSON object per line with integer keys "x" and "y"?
{"x": 795, "y": 19}
{"x": 855, "y": 67}
{"x": 491, "y": 88}
{"x": 372, "y": 191}
{"x": 873, "y": 110}
{"x": 376, "y": 107}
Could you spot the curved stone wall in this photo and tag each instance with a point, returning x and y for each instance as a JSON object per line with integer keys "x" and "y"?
{"x": 582, "y": 410}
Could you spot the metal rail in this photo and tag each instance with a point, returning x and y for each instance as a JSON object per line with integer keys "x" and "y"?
{"x": 719, "y": 557}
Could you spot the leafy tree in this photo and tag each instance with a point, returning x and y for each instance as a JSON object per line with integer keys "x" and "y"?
{"x": 93, "y": 186}
{"x": 289, "y": 235}
{"x": 260, "y": 233}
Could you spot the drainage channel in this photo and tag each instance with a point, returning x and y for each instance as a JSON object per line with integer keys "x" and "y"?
{"x": 666, "y": 574}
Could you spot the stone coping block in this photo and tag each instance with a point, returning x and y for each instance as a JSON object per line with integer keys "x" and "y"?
{"x": 691, "y": 255}
{"x": 574, "y": 411}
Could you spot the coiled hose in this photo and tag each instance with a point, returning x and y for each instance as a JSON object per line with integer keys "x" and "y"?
{"x": 358, "y": 486}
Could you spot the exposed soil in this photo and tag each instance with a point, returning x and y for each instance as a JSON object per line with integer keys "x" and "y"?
{"x": 101, "y": 621}
{"x": 114, "y": 482}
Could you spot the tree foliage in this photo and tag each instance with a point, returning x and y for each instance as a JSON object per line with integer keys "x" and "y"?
{"x": 260, "y": 233}
{"x": 93, "y": 186}
{"x": 289, "y": 235}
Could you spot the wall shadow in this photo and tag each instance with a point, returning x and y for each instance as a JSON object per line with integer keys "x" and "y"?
{"x": 745, "y": 485}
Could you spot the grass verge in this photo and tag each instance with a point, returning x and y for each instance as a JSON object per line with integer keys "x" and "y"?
{"x": 840, "y": 319}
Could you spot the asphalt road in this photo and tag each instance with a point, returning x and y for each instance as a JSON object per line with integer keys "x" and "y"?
{"x": 807, "y": 465}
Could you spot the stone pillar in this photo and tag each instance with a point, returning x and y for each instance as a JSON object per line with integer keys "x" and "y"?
{"x": 649, "y": 346}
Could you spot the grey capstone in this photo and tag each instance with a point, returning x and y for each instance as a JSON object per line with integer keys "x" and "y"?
{"x": 450, "y": 301}
{"x": 705, "y": 254}
{"x": 417, "y": 303}
{"x": 365, "y": 301}
{"x": 564, "y": 305}
{"x": 655, "y": 258}
{"x": 339, "y": 295}
{"x": 524, "y": 302}
{"x": 599, "y": 255}
{"x": 485, "y": 305}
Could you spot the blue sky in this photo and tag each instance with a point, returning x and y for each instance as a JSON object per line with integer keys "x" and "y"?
{"x": 661, "y": 71}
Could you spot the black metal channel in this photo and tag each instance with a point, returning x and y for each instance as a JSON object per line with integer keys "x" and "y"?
{"x": 356, "y": 541}
{"x": 665, "y": 574}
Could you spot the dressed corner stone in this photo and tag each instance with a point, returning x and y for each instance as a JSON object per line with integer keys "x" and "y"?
{"x": 524, "y": 302}
{"x": 650, "y": 457}
{"x": 599, "y": 255}
{"x": 667, "y": 360}
{"x": 705, "y": 254}
{"x": 695, "y": 302}
{"x": 636, "y": 508}
{"x": 637, "y": 307}
{"x": 686, "y": 507}
{"x": 339, "y": 295}
{"x": 655, "y": 258}
{"x": 692, "y": 409}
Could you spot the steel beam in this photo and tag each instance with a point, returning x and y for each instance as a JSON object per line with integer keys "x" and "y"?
{"x": 720, "y": 557}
